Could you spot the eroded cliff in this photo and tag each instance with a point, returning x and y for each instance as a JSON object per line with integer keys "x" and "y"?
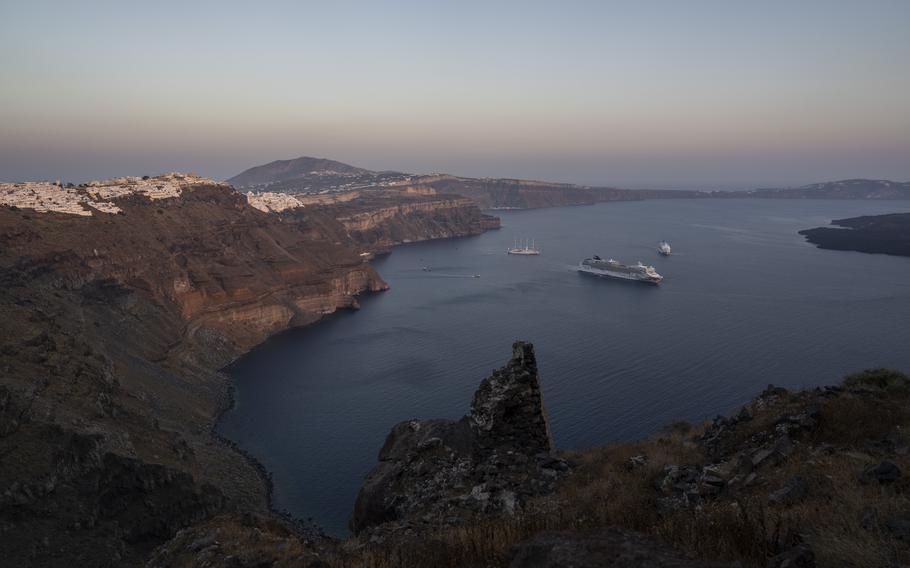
{"x": 490, "y": 193}
{"x": 410, "y": 218}
{"x": 120, "y": 301}
{"x": 439, "y": 472}
{"x": 113, "y": 326}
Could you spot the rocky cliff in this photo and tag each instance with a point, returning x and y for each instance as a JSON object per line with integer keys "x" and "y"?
{"x": 113, "y": 325}
{"x": 223, "y": 264}
{"x": 489, "y": 462}
{"x": 792, "y": 479}
{"x": 381, "y": 220}
{"x": 527, "y": 194}
{"x": 876, "y": 234}
{"x": 120, "y": 300}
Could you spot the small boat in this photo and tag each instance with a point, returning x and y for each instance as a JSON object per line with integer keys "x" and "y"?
{"x": 664, "y": 248}
{"x": 427, "y": 269}
{"x": 527, "y": 250}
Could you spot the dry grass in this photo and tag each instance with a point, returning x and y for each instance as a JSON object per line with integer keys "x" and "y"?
{"x": 603, "y": 492}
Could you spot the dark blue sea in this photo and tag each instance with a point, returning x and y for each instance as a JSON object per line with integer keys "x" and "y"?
{"x": 745, "y": 302}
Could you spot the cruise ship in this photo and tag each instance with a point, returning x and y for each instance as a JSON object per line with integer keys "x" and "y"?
{"x": 613, "y": 269}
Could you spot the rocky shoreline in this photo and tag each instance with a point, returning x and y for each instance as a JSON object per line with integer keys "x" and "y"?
{"x": 794, "y": 478}
{"x": 128, "y": 315}
{"x": 875, "y": 234}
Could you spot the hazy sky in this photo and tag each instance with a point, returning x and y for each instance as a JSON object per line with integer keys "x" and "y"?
{"x": 672, "y": 93}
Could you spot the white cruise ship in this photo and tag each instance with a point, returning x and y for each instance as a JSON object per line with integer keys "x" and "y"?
{"x": 613, "y": 269}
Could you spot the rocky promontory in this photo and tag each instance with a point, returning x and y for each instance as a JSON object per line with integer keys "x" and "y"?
{"x": 876, "y": 234}
{"x": 809, "y": 478}
{"x": 489, "y": 462}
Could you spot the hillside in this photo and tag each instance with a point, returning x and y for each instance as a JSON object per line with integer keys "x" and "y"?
{"x": 120, "y": 300}
{"x": 309, "y": 175}
{"x": 283, "y": 170}
{"x": 312, "y": 176}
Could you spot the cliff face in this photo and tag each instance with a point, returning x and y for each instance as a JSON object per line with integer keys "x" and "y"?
{"x": 224, "y": 265}
{"x": 111, "y": 329}
{"x": 378, "y": 220}
{"x": 382, "y": 223}
{"x": 527, "y": 194}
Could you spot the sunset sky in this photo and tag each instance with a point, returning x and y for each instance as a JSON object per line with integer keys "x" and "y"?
{"x": 664, "y": 94}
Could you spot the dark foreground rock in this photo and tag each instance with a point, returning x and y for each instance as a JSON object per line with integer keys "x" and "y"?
{"x": 600, "y": 548}
{"x": 442, "y": 472}
{"x": 800, "y": 556}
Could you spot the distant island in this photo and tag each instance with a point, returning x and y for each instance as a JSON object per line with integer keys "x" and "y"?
{"x": 882, "y": 234}
{"x": 329, "y": 178}
{"x": 843, "y": 189}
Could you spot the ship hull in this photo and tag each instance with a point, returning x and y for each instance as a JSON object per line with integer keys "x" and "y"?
{"x": 619, "y": 275}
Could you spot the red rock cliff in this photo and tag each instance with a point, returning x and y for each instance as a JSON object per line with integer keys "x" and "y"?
{"x": 227, "y": 266}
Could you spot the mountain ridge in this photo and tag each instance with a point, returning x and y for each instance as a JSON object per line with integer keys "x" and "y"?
{"x": 284, "y": 170}
{"x": 306, "y": 175}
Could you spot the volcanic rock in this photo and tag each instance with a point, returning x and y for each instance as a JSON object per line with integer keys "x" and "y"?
{"x": 800, "y": 556}
{"x": 489, "y": 461}
{"x": 884, "y": 472}
{"x": 600, "y": 548}
{"x": 794, "y": 491}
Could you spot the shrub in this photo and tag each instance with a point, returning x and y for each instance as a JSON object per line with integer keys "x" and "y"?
{"x": 889, "y": 380}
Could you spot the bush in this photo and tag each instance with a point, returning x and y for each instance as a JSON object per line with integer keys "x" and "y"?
{"x": 890, "y": 380}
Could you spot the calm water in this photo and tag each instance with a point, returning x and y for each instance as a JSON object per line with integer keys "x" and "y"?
{"x": 745, "y": 302}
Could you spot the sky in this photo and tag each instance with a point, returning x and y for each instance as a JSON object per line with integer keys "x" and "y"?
{"x": 647, "y": 93}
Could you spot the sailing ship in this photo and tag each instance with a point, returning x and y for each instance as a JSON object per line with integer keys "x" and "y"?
{"x": 524, "y": 249}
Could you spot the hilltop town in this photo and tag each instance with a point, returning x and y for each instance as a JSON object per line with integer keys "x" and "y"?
{"x": 82, "y": 199}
